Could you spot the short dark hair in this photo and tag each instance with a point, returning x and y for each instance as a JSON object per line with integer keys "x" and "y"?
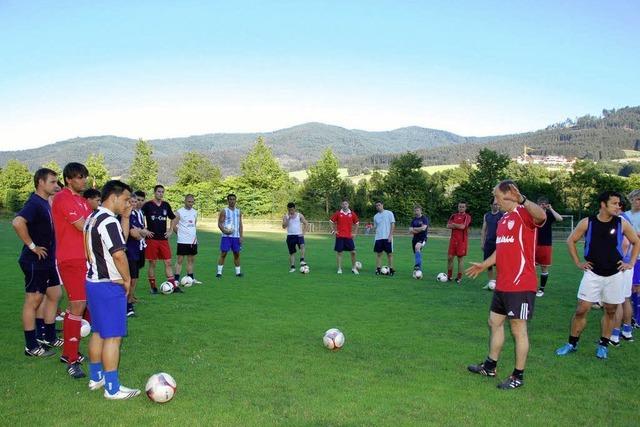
{"x": 378, "y": 201}
{"x": 231, "y": 195}
{"x": 140, "y": 193}
{"x": 462, "y": 201}
{"x": 606, "y": 195}
{"x": 189, "y": 195}
{"x": 114, "y": 187}
{"x": 158, "y": 186}
{"x": 91, "y": 193}
{"x": 41, "y": 175}
{"x": 503, "y": 186}
{"x": 543, "y": 199}
{"x": 74, "y": 170}
{"x": 291, "y": 205}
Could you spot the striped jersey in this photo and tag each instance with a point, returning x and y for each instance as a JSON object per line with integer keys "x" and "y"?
{"x": 232, "y": 220}
{"x": 515, "y": 252}
{"x": 102, "y": 237}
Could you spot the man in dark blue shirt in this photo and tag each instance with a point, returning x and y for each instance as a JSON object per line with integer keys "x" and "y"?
{"x": 34, "y": 226}
{"x": 488, "y": 239}
{"x": 419, "y": 227}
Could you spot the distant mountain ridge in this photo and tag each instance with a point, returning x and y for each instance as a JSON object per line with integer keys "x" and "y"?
{"x": 297, "y": 147}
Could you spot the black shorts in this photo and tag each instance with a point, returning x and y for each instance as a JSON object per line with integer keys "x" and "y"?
{"x": 514, "y": 305}
{"x": 187, "y": 249}
{"x": 37, "y": 278}
{"x": 417, "y": 240}
{"x": 134, "y": 268}
{"x": 489, "y": 249}
{"x": 383, "y": 245}
{"x": 344, "y": 244}
{"x": 293, "y": 241}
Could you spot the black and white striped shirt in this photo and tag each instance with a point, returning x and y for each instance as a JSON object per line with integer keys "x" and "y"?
{"x": 103, "y": 237}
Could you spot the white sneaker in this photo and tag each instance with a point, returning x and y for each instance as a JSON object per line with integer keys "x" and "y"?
{"x": 355, "y": 271}
{"x": 197, "y": 282}
{"x": 122, "y": 394}
{"x": 292, "y": 270}
{"x": 339, "y": 271}
{"x": 96, "y": 385}
{"x": 540, "y": 293}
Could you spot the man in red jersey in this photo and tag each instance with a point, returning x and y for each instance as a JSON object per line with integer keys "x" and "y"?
{"x": 342, "y": 224}
{"x": 69, "y": 211}
{"x": 459, "y": 224}
{"x": 516, "y": 281}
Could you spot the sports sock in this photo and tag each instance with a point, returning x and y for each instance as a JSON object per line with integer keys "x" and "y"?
{"x": 489, "y": 363}
{"x": 604, "y": 341}
{"x": 626, "y": 329}
{"x": 220, "y": 269}
{"x": 95, "y": 371}
{"x": 129, "y": 306}
{"x": 635, "y": 304}
{"x": 459, "y": 276}
{"x": 50, "y": 332}
{"x": 30, "y": 339}
{"x": 518, "y": 373}
{"x": 293, "y": 266}
{"x": 176, "y": 277}
{"x": 152, "y": 282}
{"x": 40, "y": 327}
{"x": 418, "y": 257}
{"x": 449, "y": 273}
{"x": 573, "y": 340}
{"x": 301, "y": 259}
{"x": 111, "y": 382}
{"x": 615, "y": 335}
{"x": 190, "y": 275}
{"x": 237, "y": 270}
{"x": 172, "y": 281}
{"x": 71, "y": 331}
{"x": 543, "y": 280}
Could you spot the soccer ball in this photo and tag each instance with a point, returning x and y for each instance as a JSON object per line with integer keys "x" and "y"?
{"x": 492, "y": 284}
{"x": 417, "y": 274}
{"x": 186, "y": 281}
{"x": 166, "y": 288}
{"x": 304, "y": 269}
{"x": 384, "y": 270}
{"x": 442, "y": 277}
{"x": 333, "y": 339}
{"x": 85, "y": 328}
{"x": 358, "y": 265}
{"x": 229, "y": 230}
{"x": 161, "y": 387}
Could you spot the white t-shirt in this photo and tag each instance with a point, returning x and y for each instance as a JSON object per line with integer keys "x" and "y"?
{"x": 187, "y": 226}
{"x": 382, "y": 221}
{"x": 294, "y": 227}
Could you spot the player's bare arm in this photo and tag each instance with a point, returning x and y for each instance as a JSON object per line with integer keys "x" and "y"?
{"x": 478, "y": 267}
{"x": 122, "y": 265}
{"x": 222, "y": 216}
{"x": 630, "y": 234}
{"x": 575, "y": 236}
{"x": 555, "y": 214}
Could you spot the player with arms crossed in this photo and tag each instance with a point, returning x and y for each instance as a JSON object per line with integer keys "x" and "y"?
{"x": 108, "y": 284}
{"x": 34, "y": 226}
{"x": 69, "y": 211}
{"x": 458, "y": 242}
{"x": 603, "y": 280}
{"x": 187, "y": 241}
{"x": 295, "y": 224}
{"x": 230, "y": 223}
{"x": 516, "y": 281}
{"x": 419, "y": 228}
{"x": 344, "y": 224}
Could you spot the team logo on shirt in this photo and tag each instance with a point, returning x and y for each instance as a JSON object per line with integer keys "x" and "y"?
{"x": 612, "y": 231}
{"x": 164, "y": 212}
{"x": 505, "y": 239}
{"x": 510, "y": 224}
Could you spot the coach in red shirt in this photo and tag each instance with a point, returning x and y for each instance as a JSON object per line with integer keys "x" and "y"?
{"x": 459, "y": 223}
{"x": 516, "y": 281}
{"x": 69, "y": 211}
{"x": 342, "y": 224}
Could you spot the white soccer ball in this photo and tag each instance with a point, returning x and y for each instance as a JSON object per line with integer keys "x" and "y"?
{"x": 442, "y": 277}
{"x": 304, "y": 269}
{"x": 358, "y": 265}
{"x": 229, "y": 229}
{"x": 333, "y": 339}
{"x": 85, "y": 328}
{"x": 166, "y": 288}
{"x": 384, "y": 270}
{"x": 186, "y": 281}
{"x": 417, "y": 274}
{"x": 491, "y": 284}
{"x": 161, "y": 387}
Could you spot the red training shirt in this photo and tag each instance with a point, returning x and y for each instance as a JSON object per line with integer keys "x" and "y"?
{"x": 515, "y": 252}
{"x": 460, "y": 218}
{"x": 68, "y": 208}
{"x": 344, "y": 221}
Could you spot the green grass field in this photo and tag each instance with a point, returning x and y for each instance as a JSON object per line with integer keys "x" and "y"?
{"x": 248, "y": 351}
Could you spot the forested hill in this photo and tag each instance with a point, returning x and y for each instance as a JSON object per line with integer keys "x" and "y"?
{"x": 596, "y": 138}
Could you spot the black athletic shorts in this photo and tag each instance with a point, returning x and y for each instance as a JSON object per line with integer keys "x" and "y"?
{"x": 344, "y": 244}
{"x": 37, "y": 278}
{"x": 134, "y": 268}
{"x": 489, "y": 249}
{"x": 514, "y": 305}
{"x": 293, "y": 241}
{"x": 187, "y": 249}
{"x": 383, "y": 245}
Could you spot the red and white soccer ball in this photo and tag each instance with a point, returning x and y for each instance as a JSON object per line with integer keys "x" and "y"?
{"x": 161, "y": 387}
{"x": 85, "y": 328}
{"x": 333, "y": 339}
{"x": 304, "y": 269}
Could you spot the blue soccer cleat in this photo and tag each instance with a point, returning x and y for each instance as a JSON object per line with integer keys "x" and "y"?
{"x": 565, "y": 349}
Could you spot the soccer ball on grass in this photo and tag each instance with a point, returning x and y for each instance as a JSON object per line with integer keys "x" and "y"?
{"x": 384, "y": 270}
{"x": 304, "y": 269}
{"x": 186, "y": 281}
{"x": 161, "y": 387}
{"x": 442, "y": 277}
{"x": 166, "y": 288}
{"x": 333, "y": 339}
{"x": 417, "y": 274}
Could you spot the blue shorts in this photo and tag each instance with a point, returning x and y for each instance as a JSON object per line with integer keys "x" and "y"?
{"x": 230, "y": 244}
{"x": 294, "y": 240}
{"x": 344, "y": 244}
{"x": 636, "y": 274}
{"x": 108, "y": 306}
{"x": 383, "y": 245}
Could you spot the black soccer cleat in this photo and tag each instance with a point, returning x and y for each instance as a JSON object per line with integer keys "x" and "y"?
{"x": 177, "y": 290}
{"x": 38, "y": 351}
{"x": 219, "y": 275}
{"x": 75, "y": 370}
{"x": 511, "y": 383}
{"x": 482, "y": 370}
{"x": 239, "y": 275}
{"x": 154, "y": 291}
{"x": 59, "y": 342}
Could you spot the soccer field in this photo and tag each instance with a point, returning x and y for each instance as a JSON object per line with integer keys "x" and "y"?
{"x": 248, "y": 351}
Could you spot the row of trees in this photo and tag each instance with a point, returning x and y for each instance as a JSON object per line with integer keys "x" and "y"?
{"x": 263, "y": 187}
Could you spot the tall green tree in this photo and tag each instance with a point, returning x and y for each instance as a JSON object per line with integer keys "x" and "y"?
{"x": 98, "y": 172}
{"x": 54, "y": 166}
{"x": 16, "y": 182}
{"x": 195, "y": 168}
{"x": 405, "y": 185}
{"x": 143, "y": 174}
{"x": 323, "y": 181}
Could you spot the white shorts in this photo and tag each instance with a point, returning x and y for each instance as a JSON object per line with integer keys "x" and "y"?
{"x": 605, "y": 289}
{"x": 627, "y": 280}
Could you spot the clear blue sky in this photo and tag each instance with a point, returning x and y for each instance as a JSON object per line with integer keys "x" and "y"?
{"x": 158, "y": 68}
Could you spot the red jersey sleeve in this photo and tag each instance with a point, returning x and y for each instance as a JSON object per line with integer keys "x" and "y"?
{"x": 354, "y": 218}
{"x": 70, "y": 210}
{"x": 334, "y": 217}
{"x": 527, "y": 219}
{"x": 467, "y": 221}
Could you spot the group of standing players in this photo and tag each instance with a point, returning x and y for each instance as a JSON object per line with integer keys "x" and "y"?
{"x": 95, "y": 243}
